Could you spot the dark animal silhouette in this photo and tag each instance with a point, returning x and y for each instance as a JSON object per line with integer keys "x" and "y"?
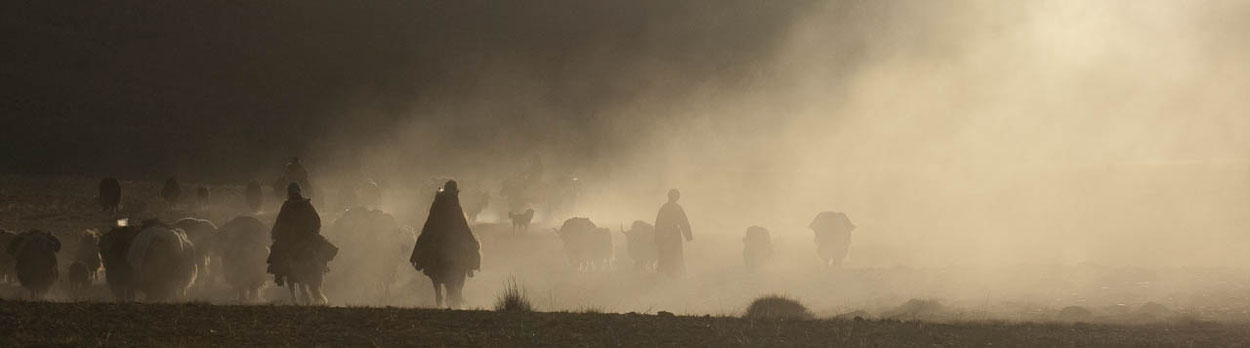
{"x": 88, "y": 252}
{"x": 374, "y": 243}
{"x": 521, "y": 221}
{"x": 79, "y": 278}
{"x": 587, "y": 246}
{"x": 640, "y": 243}
{"x": 172, "y": 192}
{"x": 202, "y": 195}
{"x": 8, "y": 262}
{"x": 203, "y": 235}
{"x": 757, "y": 247}
{"x": 163, "y": 261}
{"x": 114, "y": 247}
{"x": 243, "y": 244}
{"x": 36, "y": 265}
{"x": 299, "y": 255}
{"x": 254, "y": 196}
{"x": 110, "y": 195}
{"x": 833, "y": 237}
{"x": 447, "y": 251}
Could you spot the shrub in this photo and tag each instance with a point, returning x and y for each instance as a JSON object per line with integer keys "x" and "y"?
{"x": 915, "y": 309}
{"x": 513, "y": 299}
{"x": 592, "y": 310}
{"x": 777, "y": 307}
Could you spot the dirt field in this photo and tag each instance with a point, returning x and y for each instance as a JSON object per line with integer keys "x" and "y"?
{"x": 29, "y": 323}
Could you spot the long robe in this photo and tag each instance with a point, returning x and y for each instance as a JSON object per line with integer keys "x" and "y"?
{"x": 297, "y": 223}
{"x": 671, "y": 226}
{"x": 446, "y": 248}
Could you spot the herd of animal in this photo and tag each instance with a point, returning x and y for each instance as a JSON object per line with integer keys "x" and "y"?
{"x": 162, "y": 261}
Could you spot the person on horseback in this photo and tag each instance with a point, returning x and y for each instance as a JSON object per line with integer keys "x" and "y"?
{"x": 447, "y": 251}
{"x": 299, "y": 253}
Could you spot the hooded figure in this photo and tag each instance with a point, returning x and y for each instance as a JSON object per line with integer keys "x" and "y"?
{"x": 446, "y": 251}
{"x": 671, "y": 226}
{"x": 297, "y": 223}
{"x": 833, "y": 236}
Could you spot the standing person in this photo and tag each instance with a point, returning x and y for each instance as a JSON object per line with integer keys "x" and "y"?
{"x": 447, "y": 251}
{"x": 671, "y": 226}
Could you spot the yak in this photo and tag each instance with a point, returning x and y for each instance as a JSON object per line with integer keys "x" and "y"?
{"x": 833, "y": 237}
{"x": 114, "y": 247}
{"x": 172, "y": 192}
{"x": 202, "y": 195}
{"x": 88, "y": 252}
{"x": 163, "y": 261}
{"x": 243, "y": 244}
{"x": 757, "y": 247}
{"x": 36, "y": 266}
{"x": 374, "y": 242}
{"x": 254, "y": 196}
{"x": 640, "y": 243}
{"x": 587, "y": 246}
{"x": 202, "y": 234}
{"x": 79, "y": 277}
{"x": 110, "y": 196}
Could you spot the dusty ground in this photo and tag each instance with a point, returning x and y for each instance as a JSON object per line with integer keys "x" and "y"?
{"x": 29, "y": 323}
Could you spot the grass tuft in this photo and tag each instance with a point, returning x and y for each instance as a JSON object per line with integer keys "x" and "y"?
{"x": 777, "y": 307}
{"x": 513, "y": 299}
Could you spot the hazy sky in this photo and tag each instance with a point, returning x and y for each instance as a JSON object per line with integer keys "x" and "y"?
{"x": 963, "y": 132}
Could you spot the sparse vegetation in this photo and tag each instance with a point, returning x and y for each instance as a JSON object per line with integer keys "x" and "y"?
{"x": 194, "y": 324}
{"x": 591, "y": 310}
{"x": 513, "y": 299}
{"x": 916, "y": 309}
{"x": 777, "y": 307}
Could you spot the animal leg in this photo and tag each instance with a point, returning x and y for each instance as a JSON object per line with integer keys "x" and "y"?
{"x": 454, "y": 287}
{"x": 294, "y": 293}
{"x": 438, "y": 293}
{"x": 316, "y": 297}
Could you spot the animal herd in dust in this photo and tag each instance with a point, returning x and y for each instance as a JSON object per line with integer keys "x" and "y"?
{"x": 161, "y": 261}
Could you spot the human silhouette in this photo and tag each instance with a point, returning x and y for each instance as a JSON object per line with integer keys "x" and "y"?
{"x": 671, "y": 226}
{"x": 299, "y": 253}
{"x": 447, "y": 251}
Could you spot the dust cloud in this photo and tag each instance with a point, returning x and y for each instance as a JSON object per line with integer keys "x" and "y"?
{"x": 1059, "y": 137}
{"x": 1051, "y": 153}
